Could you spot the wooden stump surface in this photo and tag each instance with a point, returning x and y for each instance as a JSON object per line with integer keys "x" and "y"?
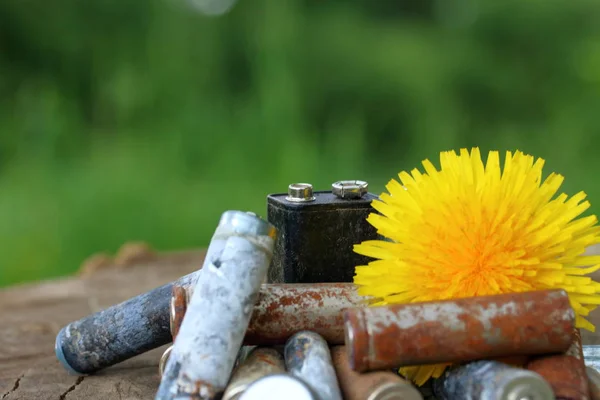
{"x": 31, "y": 316}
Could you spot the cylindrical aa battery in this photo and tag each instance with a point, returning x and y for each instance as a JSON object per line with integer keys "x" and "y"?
{"x": 594, "y": 382}
{"x": 565, "y": 372}
{"x": 458, "y": 330}
{"x": 307, "y": 357}
{"x": 136, "y": 325}
{"x": 279, "y": 386}
{"x": 262, "y": 361}
{"x": 218, "y": 313}
{"x": 284, "y": 309}
{"x": 591, "y": 355}
{"x": 490, "y": 380}
{"x": 242, "y": 354}
{"x": 379, "y": 385}
{"x": 178, "y": 307}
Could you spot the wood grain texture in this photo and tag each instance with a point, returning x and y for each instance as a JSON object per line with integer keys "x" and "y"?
{"x": 31, "y": 315}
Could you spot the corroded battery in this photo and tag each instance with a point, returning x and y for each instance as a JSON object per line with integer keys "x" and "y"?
{"x": 379, "y": 385}
{"x": 283, "y": 309}
{"x": 262, "y": 361}
{"x": 136, "y": 325}
{"x": 218, "y": 312}
{"x": 278, "y": 386}
{"x": 307, "y": 357}
{"x": 179, "y": 302}
{"x": 458, "y": 330}
{"x": 490, "y": 380}
{"x": 317, "y": 232}
{"x": 178, "y": 307}
{"x": 565, "y": 372}
{"x": 591, "y": 355}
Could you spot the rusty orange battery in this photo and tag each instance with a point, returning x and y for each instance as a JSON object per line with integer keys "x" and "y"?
{"x": 283, "y": 309}
{"x": 565, "y": 372}
{"x": 378, "y": 385}
{"x": 465, "y": 329}
{"x": 178, "y": 304}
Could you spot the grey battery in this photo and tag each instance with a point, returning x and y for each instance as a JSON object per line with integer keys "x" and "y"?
{"x": 139, "y": 324}
{"x": 317, "y": 232}
{"x": 179, "y": 301}
{"x": 308, "y": 357}
{"x": 218, "y": 313}
{"x": 261, "y": 361}
{"x": 243, "y": 353}
{"x": 278, "y": 386}
{"x": 594, "y": 381}
{"x": 490, "y": 380}
{"x": 591, "y": 355}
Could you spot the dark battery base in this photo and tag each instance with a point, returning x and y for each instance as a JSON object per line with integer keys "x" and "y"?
{"x": 315, "y": 239}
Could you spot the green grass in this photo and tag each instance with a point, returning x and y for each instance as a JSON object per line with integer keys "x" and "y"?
{"x": 54, "y": 216}
{"x": 120, "y": 122}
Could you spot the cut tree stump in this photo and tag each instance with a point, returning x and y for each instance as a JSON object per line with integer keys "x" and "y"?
{"x": 31, "y": 316}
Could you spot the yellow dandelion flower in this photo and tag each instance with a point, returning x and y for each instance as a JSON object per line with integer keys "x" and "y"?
{"x": 471, "y": 229}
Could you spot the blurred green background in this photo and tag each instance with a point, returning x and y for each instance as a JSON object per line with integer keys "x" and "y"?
{"x": 144, "y": 120}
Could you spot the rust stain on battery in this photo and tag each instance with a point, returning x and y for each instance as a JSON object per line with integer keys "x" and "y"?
{"x": 566, "y": 373}
{"x": 266, "y": 359}
{"x": 178, "y": 308}
{"x": 284, "y": 309}
{"x": 202, "y": 391}
{"x": 459, "y": 330}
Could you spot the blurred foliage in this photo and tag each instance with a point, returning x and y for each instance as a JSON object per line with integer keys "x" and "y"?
{"x": 128, "y": 120}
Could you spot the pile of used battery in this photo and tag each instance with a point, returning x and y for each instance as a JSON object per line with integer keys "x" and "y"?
{"x": 272, "y": 314}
